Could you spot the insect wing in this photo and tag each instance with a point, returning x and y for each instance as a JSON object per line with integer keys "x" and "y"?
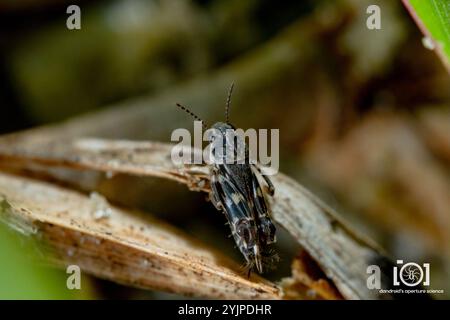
{"x": 232, "y": 200}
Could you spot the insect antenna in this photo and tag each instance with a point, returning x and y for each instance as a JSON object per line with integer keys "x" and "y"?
{"x": 192, "y": 114}
{"x": 227, "y": 110}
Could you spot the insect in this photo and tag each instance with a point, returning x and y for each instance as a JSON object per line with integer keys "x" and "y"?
{"x": 237, "y": 192}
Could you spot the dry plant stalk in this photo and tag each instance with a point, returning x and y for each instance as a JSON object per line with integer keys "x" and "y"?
{"x": 121, "y": 246}
{"x": 342, "y": 256}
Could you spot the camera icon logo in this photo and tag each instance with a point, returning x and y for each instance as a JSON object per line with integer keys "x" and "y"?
{"x": 411, "y": 274}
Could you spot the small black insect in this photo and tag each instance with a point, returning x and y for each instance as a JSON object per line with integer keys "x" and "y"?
{"x": 237, "y": 192}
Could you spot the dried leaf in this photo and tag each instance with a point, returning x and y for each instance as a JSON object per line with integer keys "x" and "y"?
{"x": 341, "y": 254}
{"x": 307, "y": 283}
{"x": 124, "y": 247}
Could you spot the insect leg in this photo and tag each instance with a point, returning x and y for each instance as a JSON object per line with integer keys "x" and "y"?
{"x": 214, "y": 194}
{"x": 267, "y": 180}
{"x": 265, "y": 224}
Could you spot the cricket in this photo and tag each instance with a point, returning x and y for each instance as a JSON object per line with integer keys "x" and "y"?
{"x": 237, "y": 192}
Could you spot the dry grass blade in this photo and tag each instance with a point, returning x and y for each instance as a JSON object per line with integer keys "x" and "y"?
{"x": 120, "y": 246}
{"x": 342, "y": 256}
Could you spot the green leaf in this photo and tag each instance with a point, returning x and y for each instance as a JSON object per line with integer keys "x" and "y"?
{"x": 433, "y": 18}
